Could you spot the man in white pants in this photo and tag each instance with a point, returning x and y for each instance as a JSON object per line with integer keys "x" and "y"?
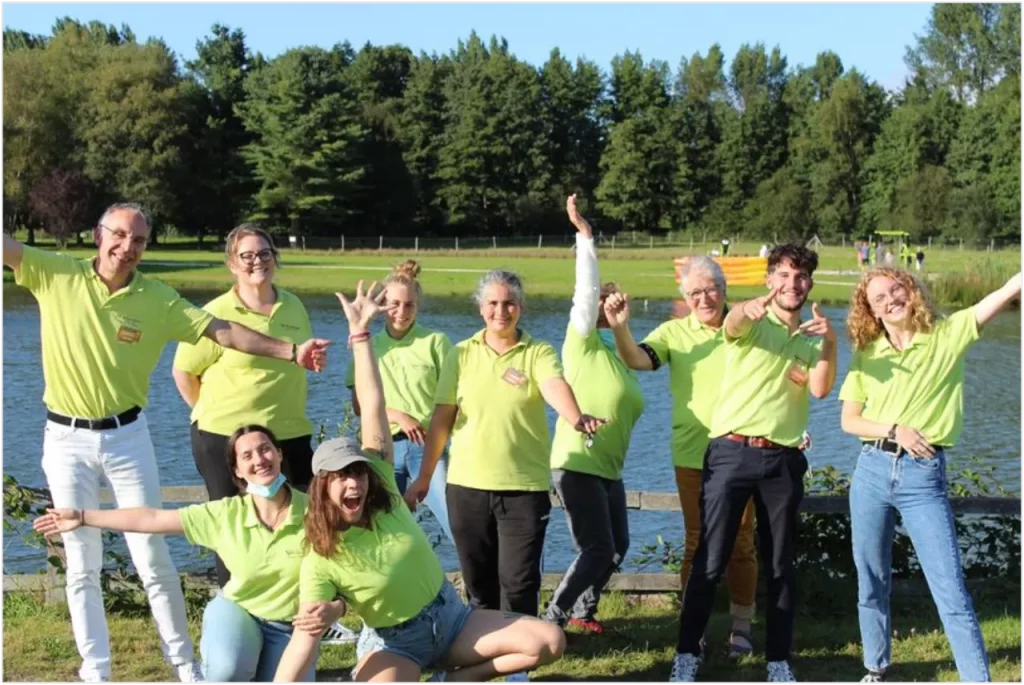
{"x": 103, "y": 327}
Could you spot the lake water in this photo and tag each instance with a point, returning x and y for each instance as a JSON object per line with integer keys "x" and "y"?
{"x": 992, "y": 421}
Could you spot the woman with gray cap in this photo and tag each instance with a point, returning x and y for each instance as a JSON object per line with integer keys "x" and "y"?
{"x": 365, "y": 546}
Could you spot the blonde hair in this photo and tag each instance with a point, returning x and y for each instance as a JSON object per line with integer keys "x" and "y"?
{"x": 241, "y": 231}
{"x": 864, "y": 327}
{"x": 406, "y": 273}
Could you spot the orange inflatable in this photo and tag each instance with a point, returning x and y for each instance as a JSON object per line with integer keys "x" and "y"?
{"x": 737, "y": 270}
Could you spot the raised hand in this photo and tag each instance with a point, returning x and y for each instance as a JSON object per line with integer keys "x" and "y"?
{"x": 312, "y": 354}
{"x": 818, "y": 325}
{"x": 576, "y": 218}
{"x": 914, "y": 442}
{"x": 757, "y": 308}
{"x": 616, "y": 309}
{"x": 57, "y": 521}
{"x": 363, "y": 307}
{"x": 589, "y": 424}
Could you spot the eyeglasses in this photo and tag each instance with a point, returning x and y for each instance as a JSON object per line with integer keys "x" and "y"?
{"x": 897, "y": 289}
{"x": 250, "y": 257}
{"x": 120, "y": 235}
{"x": 709, "y": 293}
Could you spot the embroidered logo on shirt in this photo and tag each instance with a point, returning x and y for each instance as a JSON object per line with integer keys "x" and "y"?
{"x": 514, "y": 377}
{"x": 129, "y": 335}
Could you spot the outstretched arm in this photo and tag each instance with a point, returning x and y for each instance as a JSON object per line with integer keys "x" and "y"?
{"x": 311, "y": 354}
{"x": 438, "y": 432}
{"x": 995, "y": 302}
{"x": 12, "y": 252}
{"x": 136, "y": 520}
{"x": 587, "y": 294}
{"x": 616, "y": 310}
{"x": 298, "y": 655}
{"x": 374, "y": 426}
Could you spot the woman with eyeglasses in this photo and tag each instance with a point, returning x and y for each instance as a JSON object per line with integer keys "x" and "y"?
{"x": 227, "y": 389}
{"x": 904, "y": 398}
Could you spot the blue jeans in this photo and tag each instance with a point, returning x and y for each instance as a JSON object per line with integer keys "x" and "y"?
{"x": 916, "y": 488}
{"x": 408, "y": 460}
{"x": 238, "y": 647}
{"x": 427, "y": 637}
{"x": 595, "y": 509}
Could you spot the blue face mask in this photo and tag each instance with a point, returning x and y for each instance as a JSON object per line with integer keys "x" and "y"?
{"x": 267, "y": 491}
{"x": 607, "y": 337}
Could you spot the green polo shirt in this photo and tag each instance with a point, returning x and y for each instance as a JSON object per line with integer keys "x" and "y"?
{"x": 240, "y": 389}
{"x": 386, "y": 573}
{"x": 264, "y": 564}
{"x": 409, "y": 369}
{"x": 922, "y": 386}
{"x": 695, "y": 355}
{"x": 606, "y": 388}
{"x": 500, "y": 440}
{"x": 759, "y": 396}
{"x": 99, "y": 348}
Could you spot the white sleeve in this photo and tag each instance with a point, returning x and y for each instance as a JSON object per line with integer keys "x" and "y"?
{"x": 586, "y": 297}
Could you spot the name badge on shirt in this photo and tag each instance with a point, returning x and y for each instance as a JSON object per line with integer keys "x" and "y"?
{"x": 514, "y": 377}
{"x": 129, "y": 335}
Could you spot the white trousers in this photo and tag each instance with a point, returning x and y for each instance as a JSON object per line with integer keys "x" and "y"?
{"x": 74, "y": 459}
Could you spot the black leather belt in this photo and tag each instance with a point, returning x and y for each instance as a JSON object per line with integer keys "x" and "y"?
{"x": 399, "y": 436}
{"x": 893, "y": 447}
{"x": 109, "y": 423}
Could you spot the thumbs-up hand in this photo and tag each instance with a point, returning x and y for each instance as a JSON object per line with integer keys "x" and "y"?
{"x": 756, "y": 308}
{"x": 818, "y": 325}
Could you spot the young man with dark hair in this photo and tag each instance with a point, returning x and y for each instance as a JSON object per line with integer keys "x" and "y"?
{"x": 773, "y": 363}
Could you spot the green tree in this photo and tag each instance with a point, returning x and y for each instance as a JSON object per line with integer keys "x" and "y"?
{"x": 307, "y": 128}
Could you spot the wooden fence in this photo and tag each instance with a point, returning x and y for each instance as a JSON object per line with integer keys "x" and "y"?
{"x": 51, "y": 583}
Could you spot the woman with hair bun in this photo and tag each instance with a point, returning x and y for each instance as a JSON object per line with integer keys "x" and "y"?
{"x": 409, "y": 356}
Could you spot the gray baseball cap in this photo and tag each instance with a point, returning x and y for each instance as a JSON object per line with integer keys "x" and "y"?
{"x": 336, "y": 454}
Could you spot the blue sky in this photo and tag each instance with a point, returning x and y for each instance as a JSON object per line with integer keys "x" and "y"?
{"x": 872, "y": 37}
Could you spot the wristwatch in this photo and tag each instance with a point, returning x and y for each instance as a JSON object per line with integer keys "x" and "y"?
{"x": 295, "y": 353}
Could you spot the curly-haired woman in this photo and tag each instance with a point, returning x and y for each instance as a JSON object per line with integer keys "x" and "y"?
{"x": 903, "y": 397}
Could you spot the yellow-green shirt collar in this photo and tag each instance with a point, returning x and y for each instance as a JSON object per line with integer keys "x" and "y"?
{"x": 252, "y": 519}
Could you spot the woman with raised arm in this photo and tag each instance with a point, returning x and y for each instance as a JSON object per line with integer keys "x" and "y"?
{"x": 259, "y": 536}
{"x": 365, "y": 546}
{"x": 587, "y": 472}
{"x": 409, "y": 356}
{"x": 903, "y": 397}
{"x": 693, "y": 349}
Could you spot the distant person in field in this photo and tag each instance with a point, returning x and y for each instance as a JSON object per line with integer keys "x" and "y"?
{"x": 888, "y": 260}
{"x": 103, "y": 327}
{"x": 410, "y": 357}
{"x": 491, "y": 399}
{"x": 725, "y": 247}
{"x": 773, "y": 356}
{"x": 259, "y": 535}
{"x": 920, "y": 258}
{"x": 879, "y": 255}
{"x": 763, "y": 252}
{"x": 903, "y": 397}
{"x": 365, "y": 546}
{"x": 906, "y": 256}
{"x": 693, "y": 349}
{"x": 587, "y": 469}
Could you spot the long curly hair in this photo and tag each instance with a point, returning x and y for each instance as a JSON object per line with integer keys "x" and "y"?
{"x": 864, "y": 327}
{"x": 323, "y": 520}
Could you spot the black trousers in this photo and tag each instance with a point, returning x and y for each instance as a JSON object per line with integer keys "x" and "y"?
{"x": 499, "y": 535}
{"x": 733, "y": 473}
{"x": 209, "y": 450}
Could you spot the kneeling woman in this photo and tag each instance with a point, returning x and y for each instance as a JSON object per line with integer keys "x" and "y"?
{"x": 366, "y": 547}
{"x": 259, "y": 537}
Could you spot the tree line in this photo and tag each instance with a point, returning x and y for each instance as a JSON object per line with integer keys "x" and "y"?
{"x": 382, "y": 141}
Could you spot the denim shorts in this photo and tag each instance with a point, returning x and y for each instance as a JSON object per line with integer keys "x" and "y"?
{"x": 426, "y": 637}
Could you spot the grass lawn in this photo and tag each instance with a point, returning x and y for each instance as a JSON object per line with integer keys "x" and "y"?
{"x": 639, "y": 643}
{"x": 548, "y": 272}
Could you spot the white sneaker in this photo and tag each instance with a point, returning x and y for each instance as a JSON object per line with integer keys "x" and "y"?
{"x": 190, "y": 673}
{"x": 521, "y": 677}
{"x": 874, "y": 677}
{"x": 338, "y": 634}
{"x": 780, "y": 672}
{"x": 684, "y": 668}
